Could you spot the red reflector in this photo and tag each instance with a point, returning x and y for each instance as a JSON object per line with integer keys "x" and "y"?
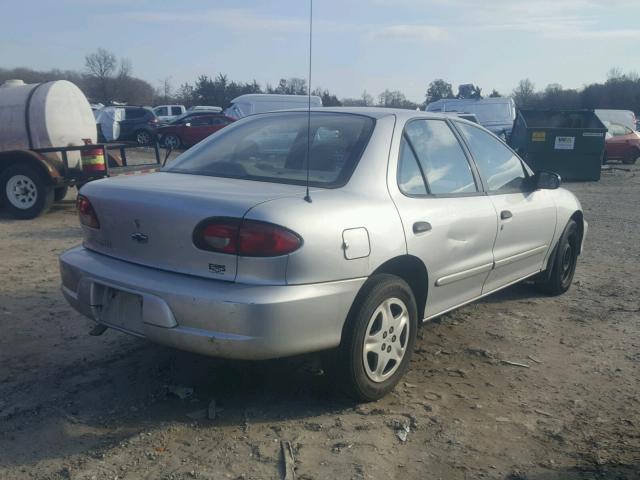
{"x": 247, "y": 238}
{"x": 86, "y": 212}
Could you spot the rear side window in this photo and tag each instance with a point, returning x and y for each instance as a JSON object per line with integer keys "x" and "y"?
{"x": 132, "y": 113}
{"x": 500, "y": 168}
{"x": 273, "y": 148}
{"x": 431, "y": 149}
{"x": 176, "y": 111}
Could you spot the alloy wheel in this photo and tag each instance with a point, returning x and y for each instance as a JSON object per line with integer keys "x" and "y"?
{"x": 385, "y": 340}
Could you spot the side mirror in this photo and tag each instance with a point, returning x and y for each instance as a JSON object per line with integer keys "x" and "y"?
{"x": 547, "y": 180}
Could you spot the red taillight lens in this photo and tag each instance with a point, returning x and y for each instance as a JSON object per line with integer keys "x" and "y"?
{"x": 86, "y": 212}
{"x": 247, "y": 238}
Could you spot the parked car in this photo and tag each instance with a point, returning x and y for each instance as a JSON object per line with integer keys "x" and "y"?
{"x": 166, "y": 113}
{"x": 622, "y": 144}
{"x": 237, "y": 250}
{"x": 191, "y": 128}
{"x": 253, "y": 103}
{"x": 497, "y": 114}
{"x": 622, "y": 117}
{"x": 139, "y": 124}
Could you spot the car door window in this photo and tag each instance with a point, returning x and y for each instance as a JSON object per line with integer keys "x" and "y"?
{"x": 441, "y": 160}
{"x": 176, "y": 111}
{"x": 500, "y": 168}
{"x": 161, "y": 111}
{"x": 200, "y": 121}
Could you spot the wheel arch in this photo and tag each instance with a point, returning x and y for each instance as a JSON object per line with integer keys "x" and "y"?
{"x": 28, "y": 157}
{"x": 413, "y": 271}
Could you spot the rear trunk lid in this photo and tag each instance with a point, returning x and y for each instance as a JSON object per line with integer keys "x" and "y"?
{"x": 149, "y": 219}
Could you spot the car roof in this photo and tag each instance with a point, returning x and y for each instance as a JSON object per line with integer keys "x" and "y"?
{"x": 377, "y": 112}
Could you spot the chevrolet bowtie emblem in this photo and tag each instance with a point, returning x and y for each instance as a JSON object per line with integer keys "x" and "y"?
{"x": 139, "y": 237}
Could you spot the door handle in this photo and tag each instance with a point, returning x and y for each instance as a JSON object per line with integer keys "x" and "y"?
{"x": 505, "y": 214}
{"x": 421, "y": 227}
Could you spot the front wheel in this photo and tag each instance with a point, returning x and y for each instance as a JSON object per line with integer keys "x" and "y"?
{"x": 559, "y": 279}
{"x": 378, "y": 338}
{"x": 25, "y": 192}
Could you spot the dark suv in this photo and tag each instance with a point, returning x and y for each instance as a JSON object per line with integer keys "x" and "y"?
{"x": 139, "y": 124}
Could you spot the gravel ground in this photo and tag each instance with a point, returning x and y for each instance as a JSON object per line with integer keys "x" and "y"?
{"x": 115, "y": 407}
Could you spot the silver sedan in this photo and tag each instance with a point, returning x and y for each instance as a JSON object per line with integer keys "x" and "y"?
{"x": 408, "y": 215}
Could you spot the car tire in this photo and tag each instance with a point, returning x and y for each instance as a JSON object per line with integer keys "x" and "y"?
{"x": 143, "y": 137}
{"x": 172, "y": 140}
{"x": 383, "y": 318}
{"x": 25, "y": 192}
{"x": 604, "y": 158}
{"x": 59, "y": 193}
{"x": 558, "y": 280}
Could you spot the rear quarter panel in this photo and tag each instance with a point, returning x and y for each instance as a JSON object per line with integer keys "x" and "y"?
{"x": 363, "y": 203}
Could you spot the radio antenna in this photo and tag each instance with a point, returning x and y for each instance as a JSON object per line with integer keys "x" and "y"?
{"x": 307, "y": 197}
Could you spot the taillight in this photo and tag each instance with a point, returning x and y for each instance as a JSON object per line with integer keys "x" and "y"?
{"x": 249, "y": 238}
{"x": 86, "y": 212}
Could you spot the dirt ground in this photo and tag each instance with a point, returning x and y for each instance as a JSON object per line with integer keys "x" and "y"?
{"x": 74, "y": 406}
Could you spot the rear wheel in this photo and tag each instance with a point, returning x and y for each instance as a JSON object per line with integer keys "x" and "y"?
{"x": 59, "y": 193}
{"x": 378, "y": 338}
{"x": 559, "y": 279}
{"x": 143, "y": 137}
{"x": 25, "y": 193}
{"x": 172, "y": 141}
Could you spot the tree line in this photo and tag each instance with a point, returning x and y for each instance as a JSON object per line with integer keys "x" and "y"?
{"x": 107, "y": 79}
{"x": 620, "y": 91}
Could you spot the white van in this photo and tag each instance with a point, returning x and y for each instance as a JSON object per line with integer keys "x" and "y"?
{"x": 621, "y": 117}
{"x": 496, "y": 114}
{"x": 265, "y": 102}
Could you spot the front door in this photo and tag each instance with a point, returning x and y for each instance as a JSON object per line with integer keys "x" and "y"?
{"x": 526, "y": 217}
{"x": 449, "y": 223}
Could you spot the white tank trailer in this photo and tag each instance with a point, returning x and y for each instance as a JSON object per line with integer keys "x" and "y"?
{"x": 52, "y": 114}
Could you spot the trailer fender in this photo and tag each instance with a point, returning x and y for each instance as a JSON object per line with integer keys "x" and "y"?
{"x": 46, "y": 165}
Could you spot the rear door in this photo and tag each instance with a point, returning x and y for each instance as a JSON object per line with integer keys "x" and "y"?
{"x": 449, "y": 222}
{"x": 526, "y": 217}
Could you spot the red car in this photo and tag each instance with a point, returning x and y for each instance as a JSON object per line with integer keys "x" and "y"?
{"x": 188, "y": 130}
{"x": 622, "y": 144}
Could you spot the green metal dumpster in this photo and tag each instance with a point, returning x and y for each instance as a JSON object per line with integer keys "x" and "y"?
{"x": 567, "y": 142}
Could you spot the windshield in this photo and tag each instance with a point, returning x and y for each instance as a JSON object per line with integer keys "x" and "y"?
{"x": 273, "y": 148}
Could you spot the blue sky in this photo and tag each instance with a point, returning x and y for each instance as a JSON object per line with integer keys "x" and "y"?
{"x": 358, "y": 44}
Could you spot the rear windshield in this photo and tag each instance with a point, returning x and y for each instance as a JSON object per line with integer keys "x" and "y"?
{"x": 273, "y": 148}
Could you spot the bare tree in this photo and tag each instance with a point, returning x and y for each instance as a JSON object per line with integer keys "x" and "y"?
{"x": 101, "y": 66}
{"x": 101, "y": 63}
{"x": 524, "y": 94}
{"x": 126, "y": 68}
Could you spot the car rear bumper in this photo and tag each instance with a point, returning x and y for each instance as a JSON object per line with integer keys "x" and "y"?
{"x": 210, "y": 317}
